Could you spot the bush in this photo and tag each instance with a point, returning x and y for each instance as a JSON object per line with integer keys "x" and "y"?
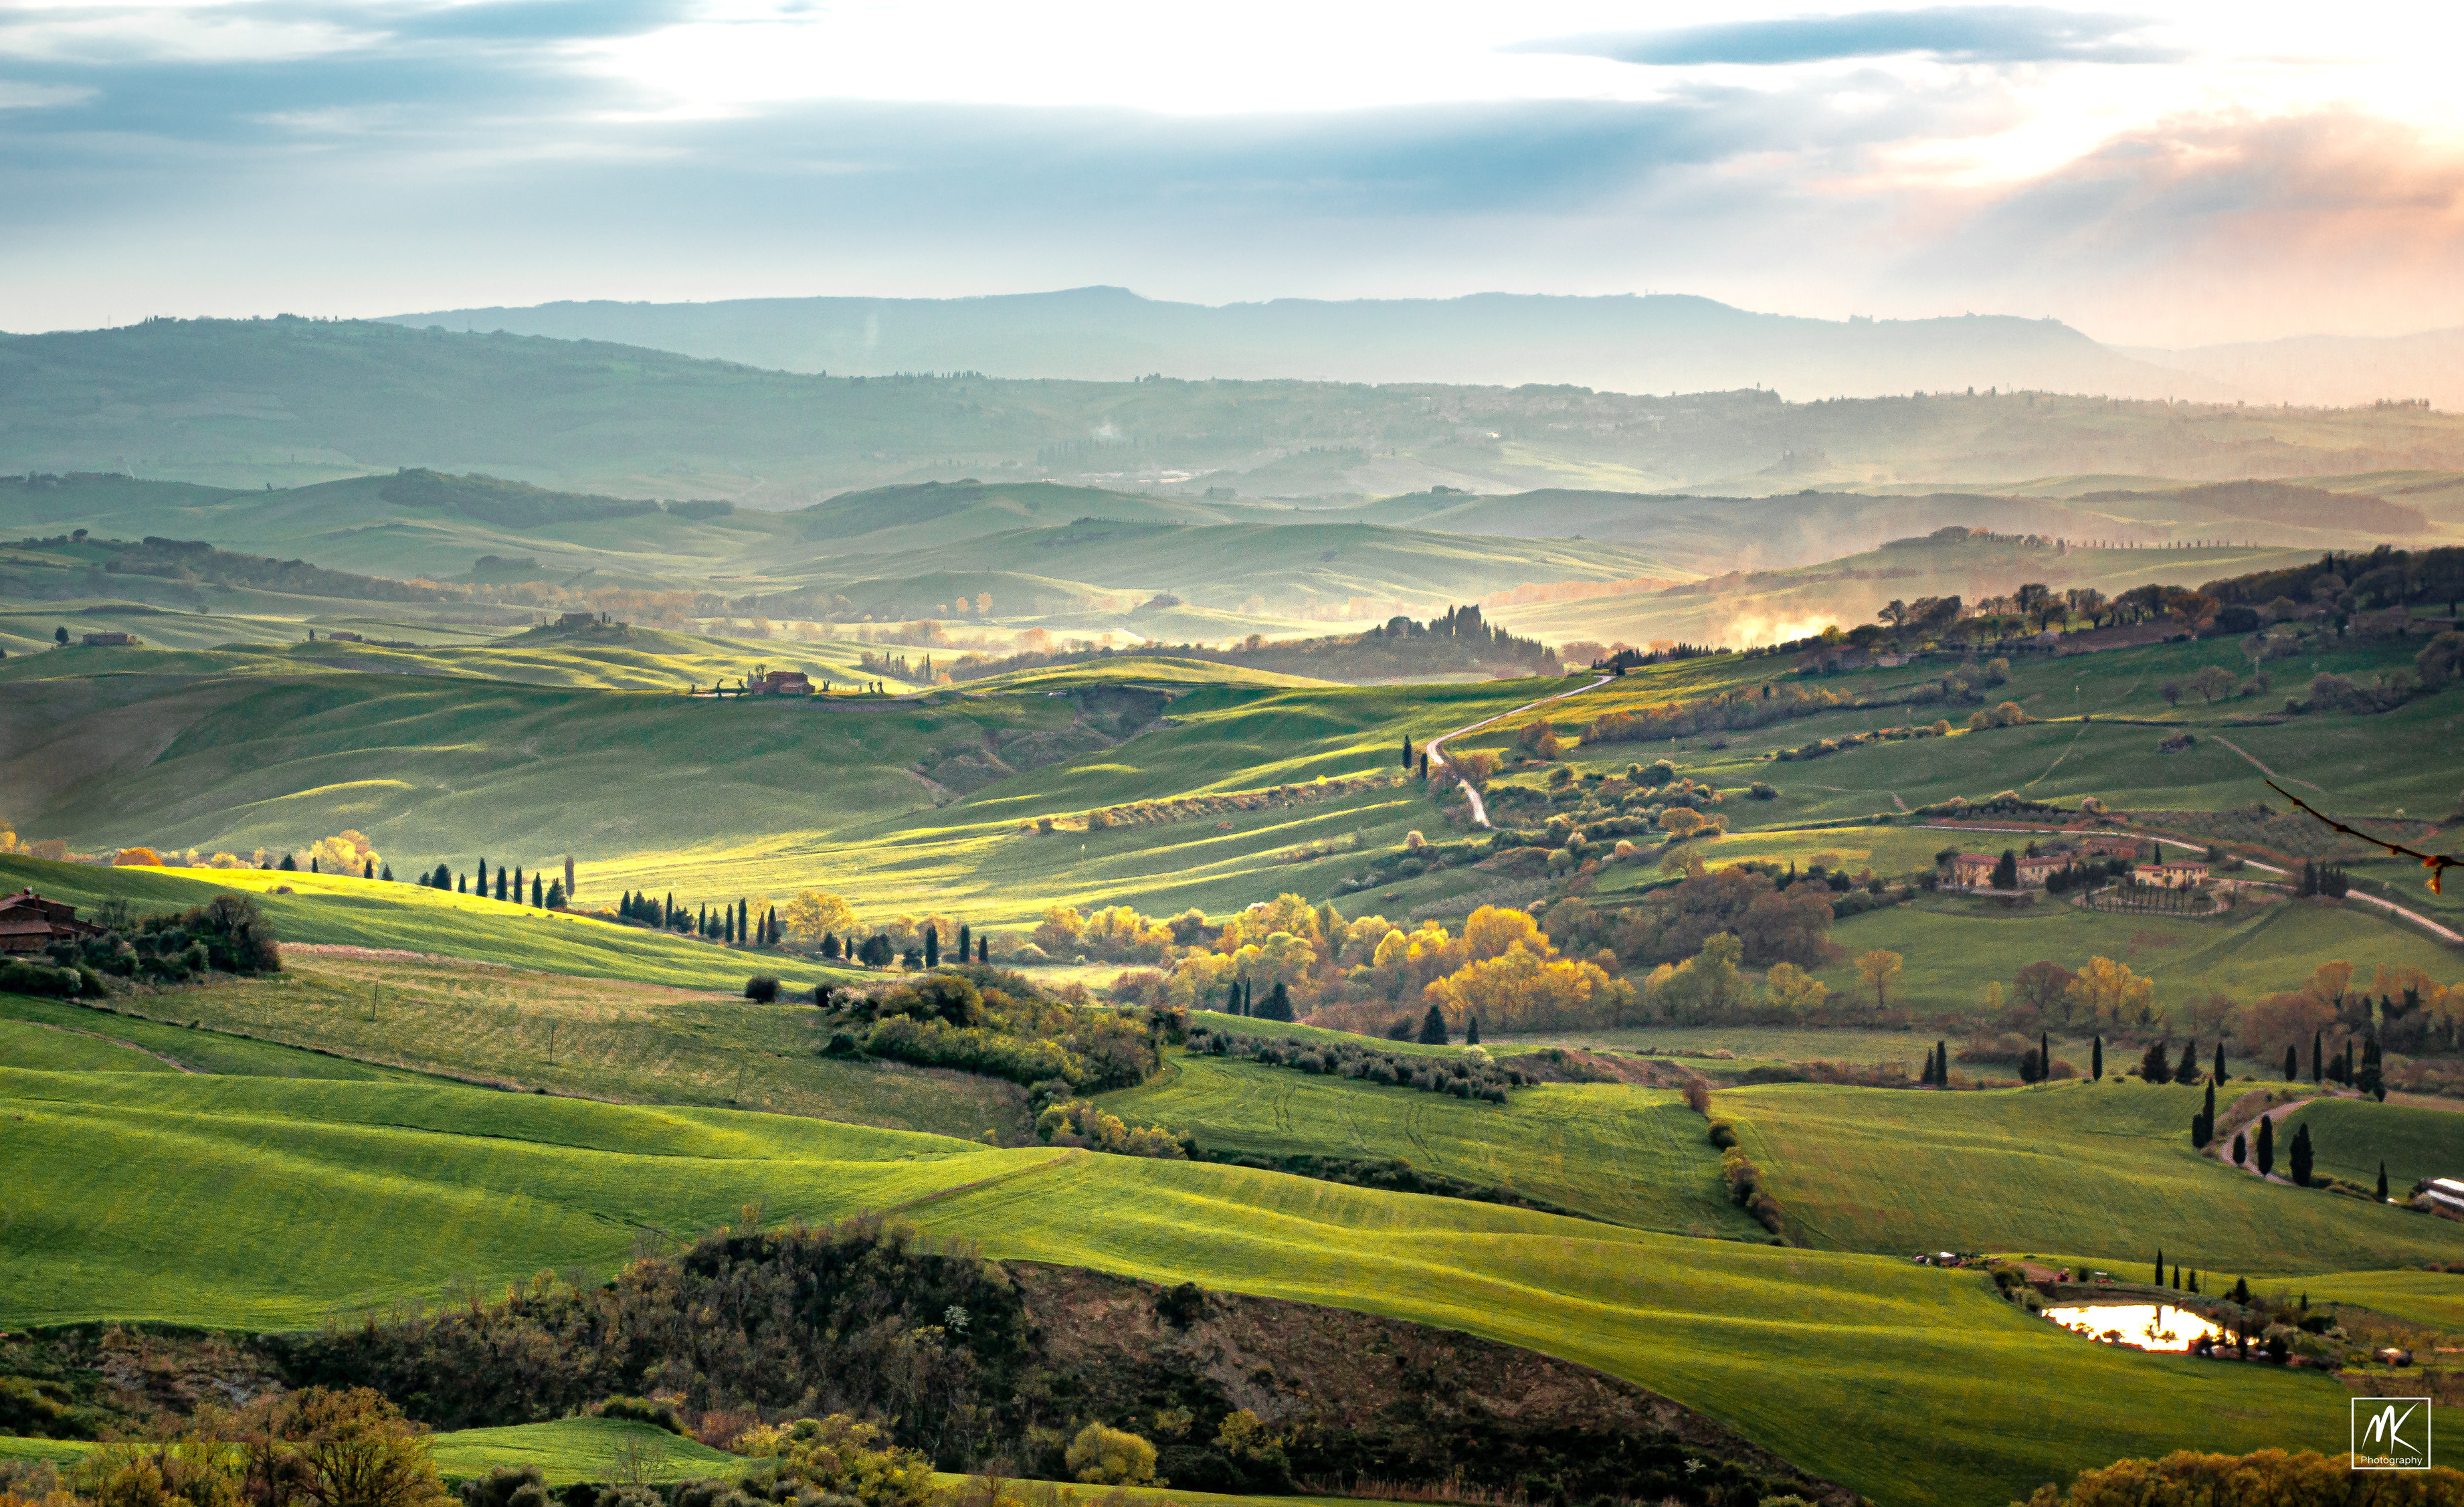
{"x": 1762, "y": 791}
{"x": 641, "y": 1410}
{"x": 761, "y": 990}
{"x": 1110, "y": 1457}
{"x": 19, "y": 977}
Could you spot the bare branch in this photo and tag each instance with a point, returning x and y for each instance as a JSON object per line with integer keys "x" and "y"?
{"x": 2438, "y": 863}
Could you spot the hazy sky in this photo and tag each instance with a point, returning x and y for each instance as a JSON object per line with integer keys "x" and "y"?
{"x": 2157, "y": 175}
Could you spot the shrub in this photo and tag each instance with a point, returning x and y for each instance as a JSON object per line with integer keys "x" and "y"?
{"x": 1110, "y": 1457}
{"x": 761, "y": 990}
{"x": 1761, "y": 791}
{"x": 19, "y": 977}
{"x": 1723, "y": 1134}
{"x": 641, "y": 1410}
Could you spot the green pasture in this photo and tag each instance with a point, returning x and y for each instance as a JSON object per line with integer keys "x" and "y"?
{"x": 265, "y": 1202}
{"x": 1951, "y": 947}
{"x": 568, "y": 1449}
{"x": 179, "y": 1039}
{"x": 606, "y": 1039}
{"x": 309, "y": 1188}
{"x": 1632, "y": 1156}
{"x": 2349, "y": 1138}
{"x": 2103, "y": 1170}
{"x": 338, "y": 910}
{"x": 2432, "y": 1298}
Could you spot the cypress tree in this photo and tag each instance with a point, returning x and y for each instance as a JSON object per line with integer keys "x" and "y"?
{"x": 517, "y": 885}
{"x": 500, "y": 881}
{"x": 368, "y": 871}
{"x": 727, "y": 925}
{"x": 744, "y": 916}
{"x": 983, "y": 949}
{"x": 2266, "y": 1145}
{"x": 536, "y": 898}
{"x": 2177, "y": 1280}
{"x": 2317, "y": 1076}
{"x": 2292, "y": 1063}
{"x": 1471, "y": 1038}
{"x": 1407, "y": 751}
{"x": 1432, "y": 1028}
{"x": 2211, "y": 1104}
{"x": 2005, "y": 872}
{"x": 931, "y": 946}
{"x": 2160, "y": 1266}
{"x": 966, "y": 941}
{"x": 2045, "y": 1053}
{"x": 2194, "y": 1283}
{"x": 387, "y": 876}
{"x": 830, "y": 946}
{"x": 462, "y": 885}
{"x": 482, "y": 885}
{"x": 2218, "y": 1076}
{"x": 1424, "y": 764}
{"x": 2241, "y": 1149}
{"x": 2300, "y": 1158}
{"x": 1279, "y": 1003}
{"x": 2187, "y": 1072}
{"x": 287, "y": 865}
{"x": 2383, "y": 1183}
{"x": 2097, "y": 1057}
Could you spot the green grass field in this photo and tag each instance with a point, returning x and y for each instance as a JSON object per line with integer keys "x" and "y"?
{"x": 606, "y": 1449}
{"x": 607, "y": 1039}
{"x": 1849, "y": 1364}
{"x": 335, "y": 910}
{"x": 2100, "y": 1170}
{"x": 61, "y": 1036}
{"x": 2350, "y": 1137}
{"x": 2434, "y": 1299}
{"x": 1634, "y": 1156}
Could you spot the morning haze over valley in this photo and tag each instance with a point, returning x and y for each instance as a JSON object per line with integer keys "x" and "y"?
{"x": 757, "y": 755}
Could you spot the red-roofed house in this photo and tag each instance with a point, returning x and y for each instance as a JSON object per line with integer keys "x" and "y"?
{"x": 781, "y": 682}
{"x": 30, "y": 923}
{"x": 1975, "y": 870}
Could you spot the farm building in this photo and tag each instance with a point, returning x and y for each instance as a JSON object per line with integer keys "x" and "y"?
{"x": 2116, "y": 845}
{"x": 111, "y": 640}
{"x": 2179, "y": 873}
{"x": 346, "y": 637}
{"x": 1975, "y": 870}
{"x": 2445, "y": 1195}
{"x": 781, "y": 682}
{"x": 30, "y": 923}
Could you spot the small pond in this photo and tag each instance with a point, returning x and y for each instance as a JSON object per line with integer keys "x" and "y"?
{"x": 2149, "y": 1326}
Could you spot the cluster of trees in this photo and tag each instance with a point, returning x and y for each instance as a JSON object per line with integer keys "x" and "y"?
{"x": 227, "y": 934}
{"x": 2326, "y": 879}
{"x": 992, "y": 1021}
{"x": 2303, "y": 1479}
{"x": 545, "y": 894}
{"x": 1740, "y": 709}
{"x": 1471, "y": 1075}
{"x": 1460, "y": 640}
{"x": 732, "y": 924}
{"x": 343, "y": 1448}
{"x": 1075, "y": 1122}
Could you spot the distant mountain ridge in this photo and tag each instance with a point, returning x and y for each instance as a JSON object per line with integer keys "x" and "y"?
{"x": 1659, "y": 343}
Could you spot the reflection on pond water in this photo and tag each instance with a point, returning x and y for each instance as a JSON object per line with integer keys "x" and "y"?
{"x": 2150, "y": 1326}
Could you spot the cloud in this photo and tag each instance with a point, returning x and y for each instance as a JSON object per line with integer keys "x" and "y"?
{"x": 17, "y": 96}
{"x": 1954, "y": 34}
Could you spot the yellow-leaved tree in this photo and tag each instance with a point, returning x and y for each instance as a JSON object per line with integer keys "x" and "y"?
{"x": 814, "y": 914}
{"x": 2107, "y": 992}
{"x": 348, "y": 852}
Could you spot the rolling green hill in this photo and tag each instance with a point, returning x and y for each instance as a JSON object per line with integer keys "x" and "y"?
{"x": 1634, "y": 1156}
{"x": 2350, "y": 1137}
{"x": 335, "y": 910}
{"x": 1849, "y": 1365}
{"x": 2101, "y": 1170}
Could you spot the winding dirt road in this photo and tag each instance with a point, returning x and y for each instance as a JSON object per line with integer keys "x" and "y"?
{"x": 1436, "y": 747}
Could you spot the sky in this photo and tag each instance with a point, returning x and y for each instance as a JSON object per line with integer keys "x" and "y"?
{"x": 2156, "y": 175}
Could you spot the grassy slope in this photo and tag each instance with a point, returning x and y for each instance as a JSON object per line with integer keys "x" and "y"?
{"x": 2102, "y": 1170}
{"x": 44, "y": 1048}
{"x": 180, "y": 1037}
{"x": 2349, "y": 1138}
{"x": 583, "y": 1450}
{"x": 496, "y": 1184}
{"x": 333, "y": 910}
{"x": 626, "y": 1042}
{"x": 1849, "y": 1364}
{"x": 1634, "y": 1156}
{"x": 2435, "y": 1299}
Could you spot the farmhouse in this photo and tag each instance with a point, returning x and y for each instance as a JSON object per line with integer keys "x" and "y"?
{"x": 30, "y": 923}
{"x": 2445, "y": 1195}
{"x": 781, "y": 682}
{"x": 2115, "y": 845}
{"x": 111, "y": 640}
{"x": 1975, "y": 870}
{"x": 2180, "y": 873}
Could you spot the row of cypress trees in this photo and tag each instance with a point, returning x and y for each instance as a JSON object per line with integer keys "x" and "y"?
{"x": 545, "y": 894}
